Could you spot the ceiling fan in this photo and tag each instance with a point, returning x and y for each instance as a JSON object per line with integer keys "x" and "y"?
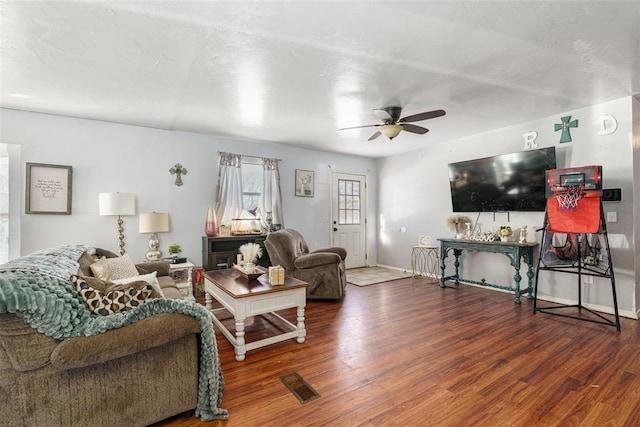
{"x": 392, "y": 124}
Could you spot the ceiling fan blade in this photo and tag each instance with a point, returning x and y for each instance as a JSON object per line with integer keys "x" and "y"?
{"x": 358, "y": 127}
{"x": 374, "y": 136}
{"x": 383, "y": 115}
{"x": 422, "y": 116}
{"x": 415, "y": 129}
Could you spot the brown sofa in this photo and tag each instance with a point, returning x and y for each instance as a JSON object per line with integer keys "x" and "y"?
{"x": 323, "y": 269}
{"x": 135, "y": 375}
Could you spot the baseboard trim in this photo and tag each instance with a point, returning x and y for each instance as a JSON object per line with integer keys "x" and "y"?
{"x": 601, "y": 308}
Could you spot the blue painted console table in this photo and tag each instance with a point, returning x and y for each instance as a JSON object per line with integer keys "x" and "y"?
{"x": 513, "y": 250}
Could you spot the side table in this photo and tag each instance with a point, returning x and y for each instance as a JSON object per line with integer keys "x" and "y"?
{"x": 424, "y": 262}
{"x": 185, "y": 286}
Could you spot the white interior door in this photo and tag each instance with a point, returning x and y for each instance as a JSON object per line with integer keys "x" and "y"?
{"x": 348, "y": 212}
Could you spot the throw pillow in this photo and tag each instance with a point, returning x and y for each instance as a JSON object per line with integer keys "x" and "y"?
{"x": 150, "y": 278}
{"x": 121, "y": 267}
{"x": 113, "y": 301}
{"x": 100, "y": 269}
{"x": 105, "y": 286}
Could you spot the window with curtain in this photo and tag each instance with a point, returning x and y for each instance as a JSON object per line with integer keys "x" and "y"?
{"x": 10, "y": 186}
{"x": 4, "y": 208}
{"x": 250, "y": 185}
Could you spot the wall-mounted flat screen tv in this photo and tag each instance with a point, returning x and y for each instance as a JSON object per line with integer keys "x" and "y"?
{"x": 508, "y": 182}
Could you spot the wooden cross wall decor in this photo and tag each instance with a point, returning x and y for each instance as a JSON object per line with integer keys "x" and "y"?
{"x": 565, "y": 126}
{"x": 178, "y": 171}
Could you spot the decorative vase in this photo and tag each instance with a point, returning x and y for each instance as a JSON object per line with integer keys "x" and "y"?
{"x": 523, "y": 234}
{"x": 269, "y": 221}
{"x": 504, "y": 238}
{"x": 249, "y": 267}
{"x": 467, "y": 230}
{"x": 211, "y": 226}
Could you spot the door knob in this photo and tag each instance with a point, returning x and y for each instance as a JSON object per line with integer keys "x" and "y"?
{"x": 335, "y": 229}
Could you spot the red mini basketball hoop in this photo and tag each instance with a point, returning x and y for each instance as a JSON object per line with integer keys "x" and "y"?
{"x": 569, "y": 196}
{"x": 573, "y": 199}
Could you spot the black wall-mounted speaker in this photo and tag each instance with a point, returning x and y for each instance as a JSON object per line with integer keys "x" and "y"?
{"x": 612, "y": 195}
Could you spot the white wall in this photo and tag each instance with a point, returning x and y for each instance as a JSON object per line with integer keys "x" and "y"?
{"x": 636, "y": 193}
{"x": 413, "y": 192}
{"x": 108, "y": 157}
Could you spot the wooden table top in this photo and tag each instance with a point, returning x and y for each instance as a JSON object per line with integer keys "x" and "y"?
{"x": 230, "y": 281}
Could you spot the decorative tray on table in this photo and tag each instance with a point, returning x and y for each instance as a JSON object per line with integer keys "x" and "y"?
{"x": 257, "y": 272}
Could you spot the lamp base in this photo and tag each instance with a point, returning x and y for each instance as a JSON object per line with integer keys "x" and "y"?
{"x": 154, "y": 253}
{"x": 153, "y": 256}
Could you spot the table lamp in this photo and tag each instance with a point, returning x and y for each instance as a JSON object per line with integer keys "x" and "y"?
{"x": 154, "y": 223}
{"x": 118, "y": 204}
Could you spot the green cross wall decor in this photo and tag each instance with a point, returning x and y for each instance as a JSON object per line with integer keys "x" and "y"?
{"x": 178, "y": 170}
{"x": 566, "y": 124}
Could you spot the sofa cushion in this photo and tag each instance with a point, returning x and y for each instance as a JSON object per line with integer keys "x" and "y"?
{"x": 26, "y": 348}
{"x": 100, "y": 252}
{"x": 160, "y": 267}
{"x": 85, "y": 262}
{"x": 147, "y": 333}
{"x": 172, "y": 293}
{"x": 112, "y": 301}
{"x": 166, "y": 282}
{"x": 150, "y": 278}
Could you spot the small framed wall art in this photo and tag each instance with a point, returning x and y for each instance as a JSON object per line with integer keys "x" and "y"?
{"x": 304, "y": 183}
{"x": 48, "y": 189}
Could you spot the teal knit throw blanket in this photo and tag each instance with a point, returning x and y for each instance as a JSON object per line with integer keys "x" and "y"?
{"x": 52, "y": 306}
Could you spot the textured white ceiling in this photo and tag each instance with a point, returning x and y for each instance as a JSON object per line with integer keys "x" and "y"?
{"x": 293, "y": 72}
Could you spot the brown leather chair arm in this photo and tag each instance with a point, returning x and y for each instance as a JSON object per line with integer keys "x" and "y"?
{"x": 316, "y": 259}
{"x": 342, "y": 252}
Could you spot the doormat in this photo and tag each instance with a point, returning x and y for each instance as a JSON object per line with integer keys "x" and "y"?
{"x": 366, "y": 276}
{"x": 299, "y": 387}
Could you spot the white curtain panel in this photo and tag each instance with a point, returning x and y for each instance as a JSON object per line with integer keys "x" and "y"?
{"x": 271, "y": 197}
{"x": 229, "y": 198}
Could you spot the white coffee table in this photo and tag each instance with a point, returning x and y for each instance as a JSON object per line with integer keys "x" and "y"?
{"x": 245, "y": 298}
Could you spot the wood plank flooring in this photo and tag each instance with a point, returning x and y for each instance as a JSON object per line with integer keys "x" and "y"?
{"x": 408, "y": 353}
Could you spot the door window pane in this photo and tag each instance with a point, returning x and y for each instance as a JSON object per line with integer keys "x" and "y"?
{"x": 348, "y": 202}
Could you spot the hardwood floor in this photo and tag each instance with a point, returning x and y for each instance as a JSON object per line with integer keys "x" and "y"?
{"x": 410, "y": 353}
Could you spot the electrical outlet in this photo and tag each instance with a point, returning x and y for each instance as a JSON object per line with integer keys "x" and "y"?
{"x": 588, "y": 280}
{"x": 612, "y": 216}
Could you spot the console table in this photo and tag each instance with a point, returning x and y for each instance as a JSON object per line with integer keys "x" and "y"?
{"x": 221, "y": 252}
{"x": 513, "y": 250}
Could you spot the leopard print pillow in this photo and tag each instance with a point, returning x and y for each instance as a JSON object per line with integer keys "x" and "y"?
{"x": 113, "y": 301}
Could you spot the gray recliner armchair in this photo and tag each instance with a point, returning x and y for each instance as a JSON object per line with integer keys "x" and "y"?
{"x": 323, "y": 269}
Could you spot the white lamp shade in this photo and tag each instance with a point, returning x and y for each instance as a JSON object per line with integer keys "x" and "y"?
{"x": 154, "y": 223}
{"x": 390, "y": 131}
{"x": 120, "y": 204}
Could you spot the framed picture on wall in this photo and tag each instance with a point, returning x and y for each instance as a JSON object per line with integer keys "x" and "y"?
{"x": 48, "y": 189}
{"x": 304, "y": 183}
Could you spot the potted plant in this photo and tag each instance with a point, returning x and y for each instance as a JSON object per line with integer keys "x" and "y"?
{"x": 175, "y": 250}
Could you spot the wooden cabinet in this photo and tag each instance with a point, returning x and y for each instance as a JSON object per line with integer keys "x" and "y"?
{"x": 222, "y": 252}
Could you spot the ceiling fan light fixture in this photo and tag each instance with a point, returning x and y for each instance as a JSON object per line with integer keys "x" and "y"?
{"x": 390, "y": 131}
